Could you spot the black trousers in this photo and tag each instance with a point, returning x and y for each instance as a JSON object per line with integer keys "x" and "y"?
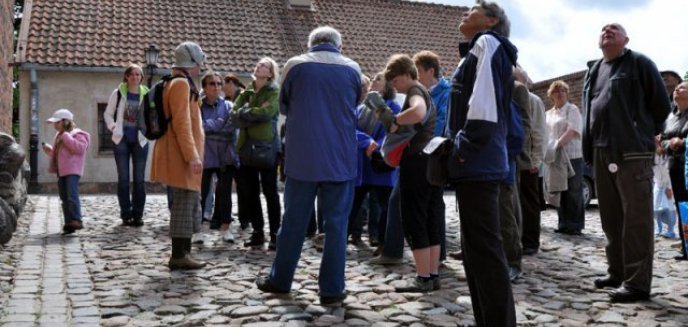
{"x": 530, "y": 207}
{"x": 484, "y": 260}
{"x": 250, "y": 182}
{"x": 222, "y": 211}
{"x": 381, "y": 199}
{"x": 678, "y": 186}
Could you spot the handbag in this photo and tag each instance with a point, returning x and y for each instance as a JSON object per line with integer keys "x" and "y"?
{"x": 378, "y": 163}
{"x": 258, "y": 153}
{"x": 438, "y": 152}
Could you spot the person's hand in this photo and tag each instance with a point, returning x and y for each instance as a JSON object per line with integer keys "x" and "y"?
{"x": 383, "y": 113}
{"x": 675, "y": 143}
{"x": 534, "y": 170}
{"x": 196, "y": 166}
{"x": 47, "y": 148}
{"x": 371, "y": 148}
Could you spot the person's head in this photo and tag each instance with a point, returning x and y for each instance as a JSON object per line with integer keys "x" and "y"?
{"x": 233, "y": 86}
{"x": 133, "y": 75}
{"x": 671, "y": 80}
{"x": 365, "y": 83}
{"x": 613, "y": 40}
{"x": 681, "y": 95}
{"x": 189, "y": 57}
{"x": 485, "y": 15}
{"x": 401, "y": 72}
{"x": 428, "y": 66}
{"x": 212, "y": 84}
{"x": 379, "y": 84}
{"x": 267, "y": 69}
{"x": 325, "y": 34}
{"x": 62, "y": 120}
{"x": 522, "y": 76}
{"x": 559, "y": 93}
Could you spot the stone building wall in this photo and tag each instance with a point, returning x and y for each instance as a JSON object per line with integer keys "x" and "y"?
{"x": 6, "y": 55}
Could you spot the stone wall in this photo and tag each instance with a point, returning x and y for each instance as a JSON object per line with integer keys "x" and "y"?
{"x": 6, "y": 58}
{"x": 575, "y": 82}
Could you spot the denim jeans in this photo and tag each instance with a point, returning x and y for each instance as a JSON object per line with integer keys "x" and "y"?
{"x": 299, "y": 198}
{"x": 131, "y": 207}
{"x": 68, "y": 188}
{"x": 572, "y": 209}
{"x": 394, "y": 232}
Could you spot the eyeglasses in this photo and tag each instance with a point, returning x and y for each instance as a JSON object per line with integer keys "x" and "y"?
{"x": 264, "y": 64}
{"x": 215, "y": 83}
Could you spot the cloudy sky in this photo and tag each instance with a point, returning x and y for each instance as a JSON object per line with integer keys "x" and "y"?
{"x": 558, "y": 37}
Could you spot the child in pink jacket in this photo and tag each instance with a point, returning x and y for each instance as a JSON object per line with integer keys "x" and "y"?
{"x": 67, "y": 158}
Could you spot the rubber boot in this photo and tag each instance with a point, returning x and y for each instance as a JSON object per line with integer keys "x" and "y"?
{"x": 180, "y": 255}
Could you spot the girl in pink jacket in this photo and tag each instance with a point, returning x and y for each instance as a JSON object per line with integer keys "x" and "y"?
{"x": 67, "y": 158}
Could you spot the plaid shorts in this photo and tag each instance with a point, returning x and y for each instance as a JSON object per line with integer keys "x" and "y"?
{"x": 185, "y": 214}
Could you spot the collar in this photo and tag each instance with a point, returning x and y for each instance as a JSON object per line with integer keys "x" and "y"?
{"x": 324, "y": 47}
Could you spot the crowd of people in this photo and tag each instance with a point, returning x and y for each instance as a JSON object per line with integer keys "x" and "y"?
{"x": 337, "y": 147}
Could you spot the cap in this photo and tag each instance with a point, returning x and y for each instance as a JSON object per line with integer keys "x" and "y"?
{"x": 188, "y": 55}
{"x": 233, "y": 78}
{"x": 60, "y": 115}
{"x": 671, "y": 73}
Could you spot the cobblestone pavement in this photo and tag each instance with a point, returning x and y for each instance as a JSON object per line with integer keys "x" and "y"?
{"x": 110, "y": 275}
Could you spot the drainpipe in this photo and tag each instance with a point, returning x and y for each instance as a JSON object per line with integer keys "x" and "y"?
{"x": 33, "y": 139}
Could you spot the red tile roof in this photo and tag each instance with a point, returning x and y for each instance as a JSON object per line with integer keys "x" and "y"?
{"x": 235, "y": 34}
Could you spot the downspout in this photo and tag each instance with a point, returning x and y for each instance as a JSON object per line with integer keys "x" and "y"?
{"x": 33, "y": 139}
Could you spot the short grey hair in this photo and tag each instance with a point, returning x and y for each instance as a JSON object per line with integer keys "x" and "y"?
{"x": 325, "y": 34}
{"x": 492, "y": 9}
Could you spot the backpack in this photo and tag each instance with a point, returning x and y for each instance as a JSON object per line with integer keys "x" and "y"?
{"x": 154, "y": 121}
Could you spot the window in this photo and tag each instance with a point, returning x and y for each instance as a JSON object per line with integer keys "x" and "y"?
{"x": 105, "y": 144}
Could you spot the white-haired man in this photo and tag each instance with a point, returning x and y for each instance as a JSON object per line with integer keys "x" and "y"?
{"x": 319, "y": 94}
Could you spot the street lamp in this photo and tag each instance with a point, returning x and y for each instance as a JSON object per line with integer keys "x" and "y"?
{"x": 152, "y": 54}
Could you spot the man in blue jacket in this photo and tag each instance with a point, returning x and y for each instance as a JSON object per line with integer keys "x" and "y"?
{"x": 319, "y": 94}
{"x": 477, "y": 122}
{"x": 625, "y": 105}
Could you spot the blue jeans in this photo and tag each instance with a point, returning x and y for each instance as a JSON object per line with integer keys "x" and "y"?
{"x": 124, "y": 151}
{"x": 68, "y": 188}
{"x": 572, "y": 209}
{"x": 394, "y": 233}
{"x": 299, "y": 197}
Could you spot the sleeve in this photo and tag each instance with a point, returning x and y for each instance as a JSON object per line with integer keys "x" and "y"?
{"x": 441, "y": 107}
{"x": 75, "y": 143}
{"x": 268, "y": 106}
{"x": 574, "y": 119}
{"x": 216, "y": 121}
{"x": 657, "y": 100}
{"x": 110, "y": 110}
{"x": 538, "y": 130}
{"x": 178, "y": 99}
{"x": 483, "y": 113}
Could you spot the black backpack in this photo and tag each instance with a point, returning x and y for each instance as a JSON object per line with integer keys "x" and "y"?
{"x": 154, "y": 120}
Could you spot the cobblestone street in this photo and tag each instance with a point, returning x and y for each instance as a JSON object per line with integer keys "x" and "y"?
{"x": 111, "y": 275}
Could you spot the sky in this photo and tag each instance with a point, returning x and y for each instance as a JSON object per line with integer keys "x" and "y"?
{"x": 558, "y": 37}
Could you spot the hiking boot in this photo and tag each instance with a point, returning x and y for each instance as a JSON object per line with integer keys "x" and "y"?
{"x": 415, "y": 285}
{"x": 256, "y": 241}
{"x": 185, "y": 263}
{"x": 385, "y": 260}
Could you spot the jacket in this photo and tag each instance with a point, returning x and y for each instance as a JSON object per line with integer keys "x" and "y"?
{"x": 478, "y": 106}
{"x": 440, "y": 97}
{"x": 557, "y": 171}
{"x": 183, "y": 141}
{"x": 536, "y": 138}
{"x": 636, "y": 110}
{"x": 220, "y": 136}
{"x": 70, "y": 148}
{"x": 675, "y": 126}
{"x": 115, "y": 123}
{"x": 319, "y": 95}
{"x": 263, "y": 107}
{"x": 366, "y": 175}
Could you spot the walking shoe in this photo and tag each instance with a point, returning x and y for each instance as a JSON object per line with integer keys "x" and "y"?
{"x": 415, "y": 285}
{"x": 272, "y": 245}
{"x": 264, "y": 284}
{"x": 66, "y": 230}
{"x": 228, "y": 236}
{"x": 198, "y": 238}
{"x": 126, "y": 221}
{"x": 137, "y": 222}
{"x": 332, "y": 300}
{"x": 514, "y": 273}
{"x": 75, "y": 224}
{"x": 628, "y": 295}
{"x": 436, "y": 285}
{"x": 456, "y": 255}
{"x": 378, "y": 250}
{"x": 257, "y": 240}
{"x": 355, "y": 240}
{"x": 185, "y": 263}
{"x": 385, "y": 260}
{"x": 607, "y": 282}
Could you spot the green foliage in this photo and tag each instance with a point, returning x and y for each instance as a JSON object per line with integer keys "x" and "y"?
{"x": 18, "y": 9}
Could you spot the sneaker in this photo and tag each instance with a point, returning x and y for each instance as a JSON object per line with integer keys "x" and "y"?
{"x": 416, "y": 285}
{"x": 385, "y": 260}
{"x": 256, "y": 241}
{"x": 514, "y": 273}
{"x": 137, "y": 222}
{"x": 228, "y": 236}
{"x": 328, "y": 301}
{"x": 264, "y": 284}
{"x": 198, "y": 238}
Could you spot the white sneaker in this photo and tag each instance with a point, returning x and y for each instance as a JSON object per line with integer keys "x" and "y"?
{"x": 198, "y": 238}
{"x": 228, "y": 236}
